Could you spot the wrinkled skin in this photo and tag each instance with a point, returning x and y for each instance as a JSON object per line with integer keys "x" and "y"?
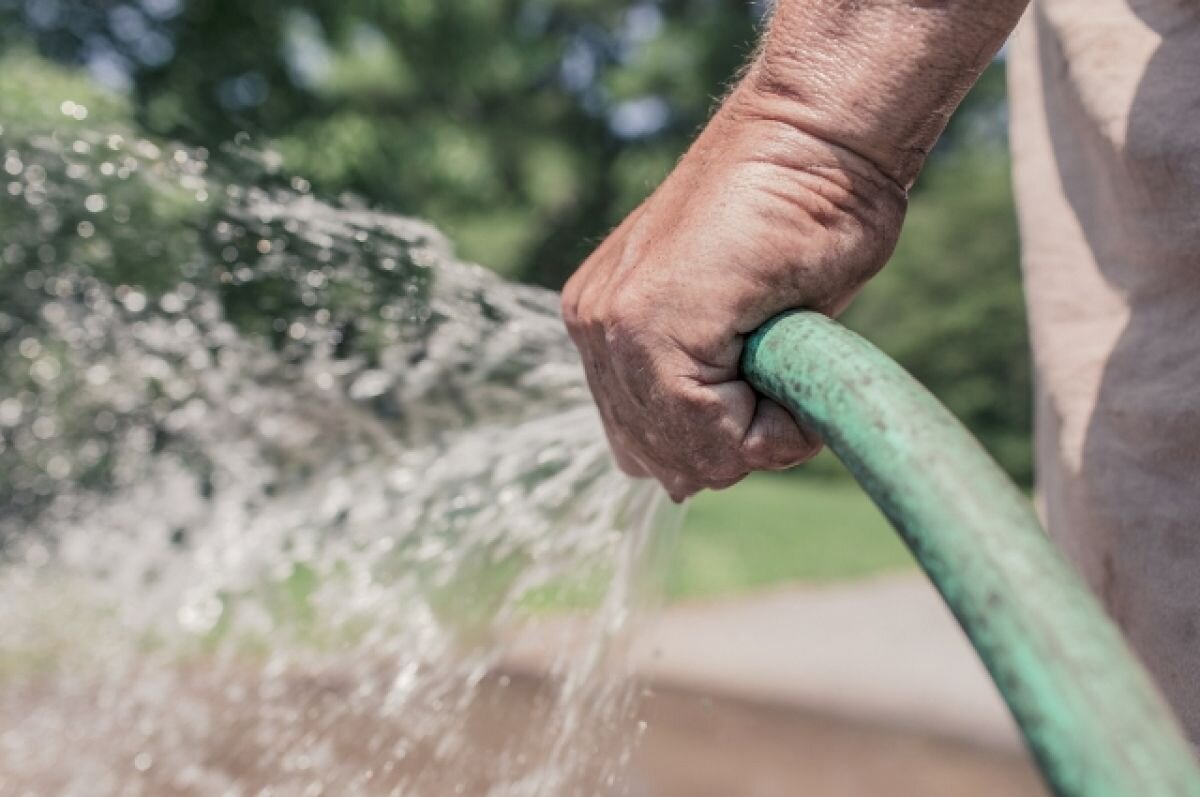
{"x": 792, "y": 197}
{"x": 758, "y": 217}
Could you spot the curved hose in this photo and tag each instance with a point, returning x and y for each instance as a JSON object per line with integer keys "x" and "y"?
{"x": 1089, "y": 712}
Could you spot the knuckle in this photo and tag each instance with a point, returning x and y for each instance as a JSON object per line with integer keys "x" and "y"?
{"x": 584, "y": 316}
{"x": 570, "y": 298}
{"x": 709, "y": 411}
{"x": 625, "y": 320}
{"x": 757, "y": 449}
{"x": 569, "y": 307}
{"x": 595, "y": 323}
{"x": 711, "y": 468}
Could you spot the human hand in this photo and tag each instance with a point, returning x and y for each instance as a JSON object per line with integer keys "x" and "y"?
{"x": 759, "y": 217}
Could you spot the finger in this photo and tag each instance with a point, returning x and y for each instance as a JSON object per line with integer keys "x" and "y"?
{"x": 618, "y": 443}
{"x": 585, "y": 292}
{"x": 680, "y": 488}
{"x": 775, "y": 441}
{"x": 627, "y": 460}
{"x": 725, "y": 485}
{"x": 692, "y": 444}
{"x": 683, "y": 487}
{"x": 678, "y": 485}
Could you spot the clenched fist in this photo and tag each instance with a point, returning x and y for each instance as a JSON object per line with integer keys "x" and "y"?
{"x": 792, "y": 197}
{"x": 759, "y": 217}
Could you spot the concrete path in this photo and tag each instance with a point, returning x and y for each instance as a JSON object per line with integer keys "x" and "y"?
{"x": 884, "y": 651}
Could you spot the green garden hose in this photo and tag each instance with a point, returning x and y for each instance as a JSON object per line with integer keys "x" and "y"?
{"x": 1090, "y": 715}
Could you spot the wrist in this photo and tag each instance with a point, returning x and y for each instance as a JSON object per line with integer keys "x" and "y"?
{"x": 878, "y": 78}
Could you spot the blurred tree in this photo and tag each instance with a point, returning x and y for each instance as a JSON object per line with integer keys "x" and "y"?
{"x": 527, "y": 128}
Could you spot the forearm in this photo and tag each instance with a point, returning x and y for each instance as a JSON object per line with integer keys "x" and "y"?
{"x": 792, "y": 196}
{"x": 879, "y": 78}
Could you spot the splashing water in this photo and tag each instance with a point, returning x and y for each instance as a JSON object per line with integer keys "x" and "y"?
{"x": 278, "y": 479}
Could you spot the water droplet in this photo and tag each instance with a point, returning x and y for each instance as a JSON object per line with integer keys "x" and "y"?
{"x": 10, "y": 412}
{"x": 44, "y": 427}
{"x": 45, "y": 370}
{"x": 370, "y": 384}
{"x": 200, "y": 614}
{"x": 190, "y": 418}
{"x": 58, "y": 467}
{"x": 29, "y": 348}
{"x": 134, "y": 301}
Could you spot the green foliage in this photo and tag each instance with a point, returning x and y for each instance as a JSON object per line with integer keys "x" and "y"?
{"x": 524, "y": 128}
{"x": 33, "y": 90}
{"x": 528, "y": 128}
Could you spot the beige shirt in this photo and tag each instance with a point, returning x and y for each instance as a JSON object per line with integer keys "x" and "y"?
{"x": 1106, "y": 143}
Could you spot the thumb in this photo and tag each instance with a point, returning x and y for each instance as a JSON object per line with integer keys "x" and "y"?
{"x": 774, "y": 439}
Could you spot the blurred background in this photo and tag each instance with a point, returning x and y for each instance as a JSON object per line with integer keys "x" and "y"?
{"x": 525, "y": 129}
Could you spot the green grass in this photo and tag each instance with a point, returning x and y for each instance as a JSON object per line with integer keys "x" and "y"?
{"x": 779, "y": 528}
{"x": 771, "y": 529}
